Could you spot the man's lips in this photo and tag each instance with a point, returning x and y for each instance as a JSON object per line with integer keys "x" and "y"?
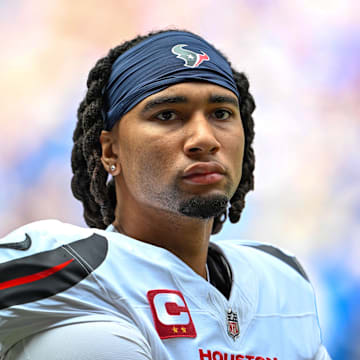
{"x": 204, "y": 173}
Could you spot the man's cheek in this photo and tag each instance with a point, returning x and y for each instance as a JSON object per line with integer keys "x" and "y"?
{"x": 150, "y": 168}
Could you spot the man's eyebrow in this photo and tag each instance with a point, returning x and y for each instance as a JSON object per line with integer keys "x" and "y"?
{"x": 223, "y": 99}
{"x": 163, "y": 100}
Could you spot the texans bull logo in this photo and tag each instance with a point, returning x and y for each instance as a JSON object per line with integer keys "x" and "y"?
{"x": 191, "y": 58}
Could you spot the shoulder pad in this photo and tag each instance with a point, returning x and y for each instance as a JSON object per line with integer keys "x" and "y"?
{"x": 44, "y": 258}
{"x": 288, "y": 259}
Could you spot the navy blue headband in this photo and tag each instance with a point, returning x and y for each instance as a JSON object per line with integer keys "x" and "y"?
{"x": 158, "y": 62}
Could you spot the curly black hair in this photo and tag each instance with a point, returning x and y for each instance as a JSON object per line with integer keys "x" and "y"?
{"x": 89, "y": 182}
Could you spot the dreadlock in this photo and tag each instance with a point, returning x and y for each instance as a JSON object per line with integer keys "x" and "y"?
{"x": 89, "y": 183}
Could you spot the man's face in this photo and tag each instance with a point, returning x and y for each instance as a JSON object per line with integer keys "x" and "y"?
{"x": 181, "y": 150}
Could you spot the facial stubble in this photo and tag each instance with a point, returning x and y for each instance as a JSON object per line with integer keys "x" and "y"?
{"x": 174, "y": 199}
{"x": 201, "y": 206}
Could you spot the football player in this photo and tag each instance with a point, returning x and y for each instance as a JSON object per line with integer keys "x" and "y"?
{"x": 170, "y": 120}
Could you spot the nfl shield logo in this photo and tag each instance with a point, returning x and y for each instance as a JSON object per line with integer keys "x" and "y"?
{"x": 232, "y": 324}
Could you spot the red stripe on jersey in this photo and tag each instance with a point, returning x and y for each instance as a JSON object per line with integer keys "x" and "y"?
{"x": 34, "y": 277}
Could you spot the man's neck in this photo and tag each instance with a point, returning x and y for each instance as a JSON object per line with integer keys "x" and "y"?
{"x": 185, "y": 237}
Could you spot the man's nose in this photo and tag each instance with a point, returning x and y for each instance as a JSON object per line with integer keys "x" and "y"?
{"x": 200, "y": 137}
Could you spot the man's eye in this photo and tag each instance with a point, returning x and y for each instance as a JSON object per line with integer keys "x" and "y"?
{"x": 222, "y": 114}
{"x": 166, "y": 116}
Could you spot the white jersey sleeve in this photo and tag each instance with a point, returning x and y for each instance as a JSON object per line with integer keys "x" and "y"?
{"x": 47, "y": 280}
{"x": 84, "y": 341}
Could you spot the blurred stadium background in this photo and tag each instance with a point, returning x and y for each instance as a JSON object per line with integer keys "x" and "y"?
{"x": 303, "y": 62}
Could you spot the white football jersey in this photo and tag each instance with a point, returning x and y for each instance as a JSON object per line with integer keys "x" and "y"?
{"x": 54, "y": 274}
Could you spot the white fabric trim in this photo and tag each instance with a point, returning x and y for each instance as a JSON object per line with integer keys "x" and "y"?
{"x": 322, "y": 354}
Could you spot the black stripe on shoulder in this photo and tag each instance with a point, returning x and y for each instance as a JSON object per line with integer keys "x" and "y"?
{"x": 47, "y": 273}
{"x": 290, "y": 260}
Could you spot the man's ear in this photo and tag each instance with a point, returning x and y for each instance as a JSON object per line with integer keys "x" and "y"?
{"x": 109, "y": 156}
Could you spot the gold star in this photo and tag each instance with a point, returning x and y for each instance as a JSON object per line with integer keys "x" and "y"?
{"x": 183, "y": 330}
{"x": 175, "y": 330}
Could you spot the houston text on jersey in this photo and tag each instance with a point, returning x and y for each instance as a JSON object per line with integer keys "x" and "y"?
{"x": 218, "y": 355}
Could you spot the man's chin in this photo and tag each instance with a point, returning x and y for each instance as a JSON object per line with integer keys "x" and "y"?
{"x": 204, "y": 207}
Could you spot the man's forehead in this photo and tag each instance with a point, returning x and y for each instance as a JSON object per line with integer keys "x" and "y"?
{"x": 185, "y": 91}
